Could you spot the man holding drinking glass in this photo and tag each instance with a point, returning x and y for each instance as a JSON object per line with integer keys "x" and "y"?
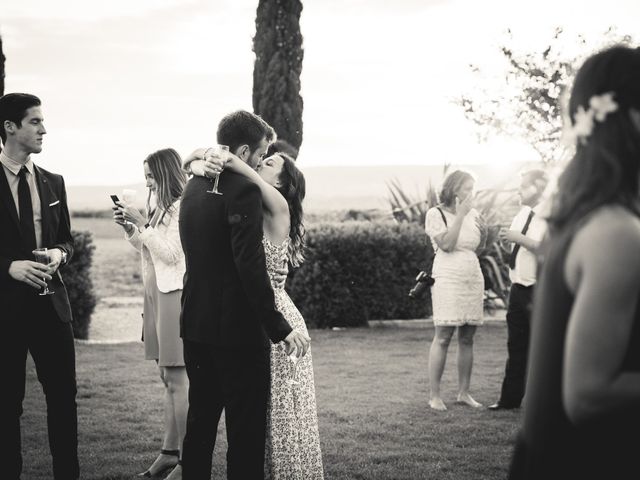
{"x": 34, "y": 215}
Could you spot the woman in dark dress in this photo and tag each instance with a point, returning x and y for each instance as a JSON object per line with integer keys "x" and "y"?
{"x": 582, "y": 408}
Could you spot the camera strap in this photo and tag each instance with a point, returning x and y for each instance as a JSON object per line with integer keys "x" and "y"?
{"x": 444, "y": 219}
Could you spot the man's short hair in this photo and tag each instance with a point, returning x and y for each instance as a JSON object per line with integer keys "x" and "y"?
{"x": 244, "y": 128}
{"x": 535, "y": 176}
{"x": 13, "y": 107}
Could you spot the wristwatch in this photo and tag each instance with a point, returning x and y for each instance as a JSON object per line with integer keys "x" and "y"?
{"x": 64, "y": 256}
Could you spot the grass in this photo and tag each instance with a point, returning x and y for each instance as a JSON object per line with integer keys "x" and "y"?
{"x": 116, "y": 264}
{"x": 371, "y": 387}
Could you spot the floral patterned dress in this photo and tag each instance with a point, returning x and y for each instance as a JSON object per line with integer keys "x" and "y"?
{"x": 293, "y": 443}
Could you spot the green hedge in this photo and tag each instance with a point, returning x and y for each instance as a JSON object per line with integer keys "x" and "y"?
{"x": 77, "y": 278}
{"x": 359, "y": 271}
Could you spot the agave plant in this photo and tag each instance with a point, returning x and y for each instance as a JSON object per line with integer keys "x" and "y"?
{"x": 406, "y": 208}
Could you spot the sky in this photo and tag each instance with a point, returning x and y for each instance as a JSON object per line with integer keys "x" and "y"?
{"x": 123, "y": 78}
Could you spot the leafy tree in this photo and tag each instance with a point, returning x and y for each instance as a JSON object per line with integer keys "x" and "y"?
{"x": 276, "y": 74}
{"x": 528, "y": 104}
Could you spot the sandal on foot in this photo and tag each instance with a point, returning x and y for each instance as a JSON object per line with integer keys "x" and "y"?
{"x": 154, "y": 473}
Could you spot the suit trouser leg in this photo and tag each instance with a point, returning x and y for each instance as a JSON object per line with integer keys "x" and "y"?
{"x": 518, "y": 318}
{"x": 238, "y": 381}
{"x": 53, "y": 353}
{"x": 13, "y": 357}
{"x": 205, "y": 408}
{"x": 34, "y": 326}
{"x": 246, "y": 381}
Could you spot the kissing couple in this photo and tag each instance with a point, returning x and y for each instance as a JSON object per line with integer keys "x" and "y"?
{"x": 246, "y": 346}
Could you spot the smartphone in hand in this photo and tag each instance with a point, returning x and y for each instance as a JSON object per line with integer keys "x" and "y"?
{"x": 115, "y": 199}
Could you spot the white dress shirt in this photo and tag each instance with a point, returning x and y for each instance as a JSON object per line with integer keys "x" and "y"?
{"x": 525, "y": 268}
{"x": 11, "y": 169}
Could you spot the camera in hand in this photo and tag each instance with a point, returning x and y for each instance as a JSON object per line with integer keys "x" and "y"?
{"x": 423, "y": 281}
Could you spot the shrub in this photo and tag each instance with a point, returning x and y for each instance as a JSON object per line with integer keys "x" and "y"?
{"x": 77, "y": 277}
{"x": 359, "y": 271}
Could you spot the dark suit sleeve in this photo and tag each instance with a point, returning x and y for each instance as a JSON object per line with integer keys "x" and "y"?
{"x": 245, "y": 222}
{"x": 64, "y": 239}
{"x": 5, "y": 263}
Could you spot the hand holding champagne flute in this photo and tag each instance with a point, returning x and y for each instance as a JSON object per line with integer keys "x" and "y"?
{"x": 42, "y": 257}
{"x": 219, "y": 151}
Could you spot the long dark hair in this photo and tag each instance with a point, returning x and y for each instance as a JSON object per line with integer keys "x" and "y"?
{"x": 166, "y": 168}
{"x": 293, "y": 189}
{"x": 606, "y": 164}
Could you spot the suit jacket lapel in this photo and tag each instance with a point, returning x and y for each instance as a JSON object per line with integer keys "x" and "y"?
{"x": 7, "y": 197}
{"x": 46, "y": 196}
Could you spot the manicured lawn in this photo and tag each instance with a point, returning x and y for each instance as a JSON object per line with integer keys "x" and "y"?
{"x": 372, "y": 405}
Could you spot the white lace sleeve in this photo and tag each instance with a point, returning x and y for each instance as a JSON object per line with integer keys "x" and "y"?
{"x": 434, "y": 224}
{"x": 165, "y": 245}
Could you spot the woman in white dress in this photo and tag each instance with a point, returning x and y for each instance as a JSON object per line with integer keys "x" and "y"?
{"x": 458, "y": 292}
{"x": 292, "y": 444}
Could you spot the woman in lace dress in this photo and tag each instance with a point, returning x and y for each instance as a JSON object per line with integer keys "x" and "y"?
{"x": 292, "y": 444}
{"x": 458, "y": 292}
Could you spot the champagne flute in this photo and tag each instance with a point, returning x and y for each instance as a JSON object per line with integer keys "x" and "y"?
{"x": 293, "y": 358}
{"x": 128, "y": 197}
{"x": 217, "y": 151}
{"x": 42, "y": 256}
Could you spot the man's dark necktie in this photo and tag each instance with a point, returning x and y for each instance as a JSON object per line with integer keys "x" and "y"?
{"x": 26, "y": 211}
{"x": 516, "y": 247}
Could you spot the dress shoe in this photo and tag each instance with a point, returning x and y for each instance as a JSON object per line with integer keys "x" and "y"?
{"x": 500, "y": 406}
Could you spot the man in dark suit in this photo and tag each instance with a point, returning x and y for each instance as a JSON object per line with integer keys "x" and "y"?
{"x": 228, "y": 311}
{"x": 33, "y": 214}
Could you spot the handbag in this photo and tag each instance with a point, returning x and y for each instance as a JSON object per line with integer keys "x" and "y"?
{"x": 424, "y": 279}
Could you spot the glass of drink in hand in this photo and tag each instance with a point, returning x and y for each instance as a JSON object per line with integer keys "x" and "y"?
{"x": 128, "y": 197}
{"x": 294, "y": 368}
{"x": 219, "y": 151}
{"x": 42, "y": 256}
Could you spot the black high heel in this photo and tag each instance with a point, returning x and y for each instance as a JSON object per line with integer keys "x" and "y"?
{"x": 173, "y": 453}
{"x": 174, "y": 469}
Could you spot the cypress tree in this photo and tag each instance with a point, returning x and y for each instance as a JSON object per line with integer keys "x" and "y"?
{"x": 276, "y": 73}
{"x": 2, "y": 59}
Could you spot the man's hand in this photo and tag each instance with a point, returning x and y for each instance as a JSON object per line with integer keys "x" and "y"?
{"x": 298, "y": 343}
{"x": 32, "y": 273}
{"x": 55, "y": 255}
{"x": 510, "y": 235}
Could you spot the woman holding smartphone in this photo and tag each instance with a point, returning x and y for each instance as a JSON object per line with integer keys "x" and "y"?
{"x": 157, "y": 237}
